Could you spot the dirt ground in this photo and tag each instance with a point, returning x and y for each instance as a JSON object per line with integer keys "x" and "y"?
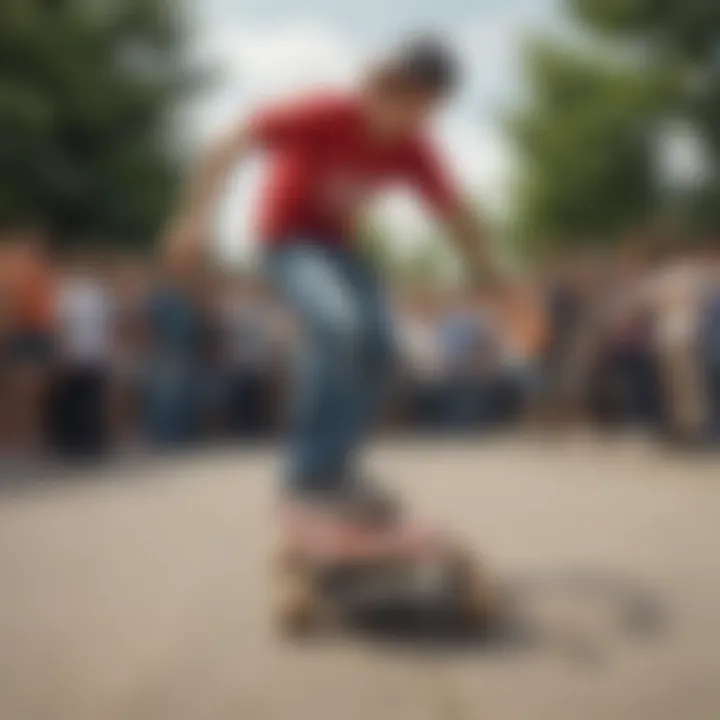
{"x": 141, "y": 591}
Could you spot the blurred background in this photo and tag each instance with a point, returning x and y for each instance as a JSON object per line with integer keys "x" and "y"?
{"x": 564, "y": 428}
{"x": 587, "y": 132}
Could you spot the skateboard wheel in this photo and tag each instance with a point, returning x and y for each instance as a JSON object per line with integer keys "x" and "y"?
{"x": 297, "y": 612}
{"x": 476, "y": 595}
{"x": 297, "y": 605}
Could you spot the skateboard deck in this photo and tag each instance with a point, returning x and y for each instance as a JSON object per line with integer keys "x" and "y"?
{"x": 329, "y": 568}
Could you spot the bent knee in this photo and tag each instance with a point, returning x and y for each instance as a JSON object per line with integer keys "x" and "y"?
{"x": 340, "y": 332}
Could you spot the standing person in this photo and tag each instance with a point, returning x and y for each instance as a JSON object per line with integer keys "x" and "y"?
{"x": 130, "y": 291}
{"x": 467, "y": 336}
{"x": 568, "y": 319}
{"x": 173, "y": 383}
{"x": 210, "y": 378}
{"x": 29, "y": 297}
{"x": 627, "y": 388}
{"x": 329, "y": 153}
{"x": 676, "y": 293}
{"x": 5, "y": 334}
{"x": 251, "y": 357}
{"x": 524, "y": 335}
{"x": 710, "y": 346}
{"x": 85, "y": 342}
{"x": 421, "y": 357}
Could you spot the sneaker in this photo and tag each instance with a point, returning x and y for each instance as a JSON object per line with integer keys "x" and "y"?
{"x": 370, "y": 501}
{"x": 355, "y": 500}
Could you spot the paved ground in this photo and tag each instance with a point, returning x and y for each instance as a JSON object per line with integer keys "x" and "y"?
{"x": 141, "y": 593}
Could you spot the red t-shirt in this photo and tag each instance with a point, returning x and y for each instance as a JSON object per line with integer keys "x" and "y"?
{"x": 324, "y": 165}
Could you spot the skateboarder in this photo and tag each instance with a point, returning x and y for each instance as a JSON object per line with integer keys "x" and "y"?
{"x": 329, "y": 152}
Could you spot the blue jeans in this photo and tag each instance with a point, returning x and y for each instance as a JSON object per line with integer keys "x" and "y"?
{"x": 466, "y": 402}
{"x": 713, "y": 387}
{"x": 172, "y": 401}
{"x": 345, "y": 360}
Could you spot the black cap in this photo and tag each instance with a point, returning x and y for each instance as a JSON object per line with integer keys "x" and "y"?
{"x": 427, "y": 62}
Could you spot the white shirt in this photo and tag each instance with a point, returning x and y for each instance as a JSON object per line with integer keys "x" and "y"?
{"x": 84, "y": 318}
{"x": 677, "y": 293}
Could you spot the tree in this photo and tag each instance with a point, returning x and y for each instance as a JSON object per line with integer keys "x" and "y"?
{"x": 587, "y": 139}
{"x": 586, "y": 142}
{"x": 87, "y": 92}
{"x": 683, "y": 37}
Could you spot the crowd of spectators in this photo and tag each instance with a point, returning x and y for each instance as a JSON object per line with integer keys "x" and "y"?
{"x": 99, "y": 353}
{"x": 642, "y": 342}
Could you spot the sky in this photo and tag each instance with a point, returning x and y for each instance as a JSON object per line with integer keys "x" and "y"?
{"x": 261, "y": 49}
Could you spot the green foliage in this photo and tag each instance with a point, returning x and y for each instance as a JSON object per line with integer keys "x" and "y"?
{"x": 587, "y": 144}
{"x": 376, "y": 247}
{"x": 586, "y": 137}
{"x": 617, "y": 16}
{"x": 427, "y": 259}
{"x": 687, "y": 28}
{"x": 87, "y": 88}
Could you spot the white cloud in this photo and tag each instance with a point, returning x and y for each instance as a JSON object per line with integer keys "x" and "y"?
{"x": 280, "y": 58}
{"x": 256, "y": 63}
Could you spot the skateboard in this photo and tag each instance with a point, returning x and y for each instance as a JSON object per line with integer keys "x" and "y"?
{"x": 329, "y": 571}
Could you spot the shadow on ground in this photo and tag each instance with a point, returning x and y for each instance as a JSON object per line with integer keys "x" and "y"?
{"x": 583, "y": 615}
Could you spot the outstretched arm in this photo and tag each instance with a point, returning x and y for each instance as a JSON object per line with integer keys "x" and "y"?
{"x": 472, "y": 241}
{"x": 283, "y": 125}
{"x": 466, "y": 228}
{"x": 188, "y": 229}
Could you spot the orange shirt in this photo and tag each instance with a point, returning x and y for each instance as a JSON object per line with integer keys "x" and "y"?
{"x": 526, "y": 323}
{"x": 28, "y": 287}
